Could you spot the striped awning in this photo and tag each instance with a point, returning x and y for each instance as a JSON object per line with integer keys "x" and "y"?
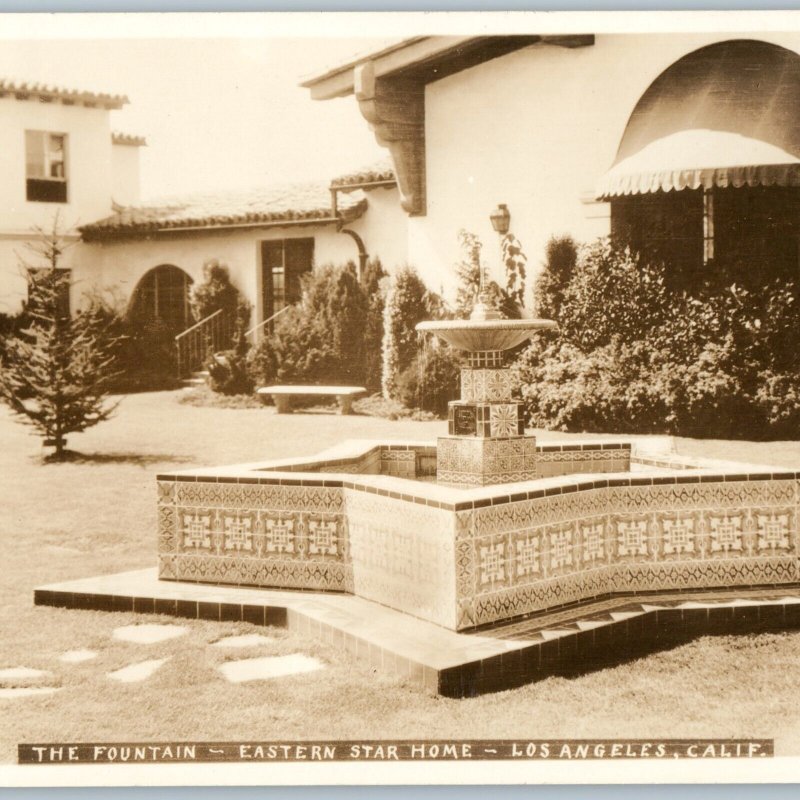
{"x": 726, "y": 115}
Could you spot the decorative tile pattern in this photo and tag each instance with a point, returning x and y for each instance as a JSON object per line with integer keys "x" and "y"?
{"x": 474, "y": 461}
{"x": 462, "y": 564}
{"x": 486, "y": 385}
{"x": 265, "y": 535}
{"x": 572, "y": 547}
{"x": 402, "y": 463}
{"x": 578, "y": 460}
{"x": 504, "y": 420}
{"x": 481, "y": 359}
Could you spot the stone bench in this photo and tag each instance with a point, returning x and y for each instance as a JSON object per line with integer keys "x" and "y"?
{"x": 282, "y": 395}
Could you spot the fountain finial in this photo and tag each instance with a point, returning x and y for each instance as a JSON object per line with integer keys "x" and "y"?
{"x": 484, "y": 307}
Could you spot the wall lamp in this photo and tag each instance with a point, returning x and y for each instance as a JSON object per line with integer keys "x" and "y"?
{"x": 501, "y": 218}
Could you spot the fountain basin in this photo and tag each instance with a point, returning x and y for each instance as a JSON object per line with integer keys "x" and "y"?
{"x": 476, "y": 335}
{"x": 367, "y": 518}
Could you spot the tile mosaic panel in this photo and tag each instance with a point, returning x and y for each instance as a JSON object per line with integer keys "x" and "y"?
{"x": 403, "y": 555}
{"x": 569, "y": 462}
{"x": 402, "y": 463}
{"x": 521, "y": 557}
{"x": 486, "y": 385}
{"x": 506, "y": 420}
{"x": 470, "y": 461}
{"x": 479, "y": 359}
{"x": 265, "y": 535}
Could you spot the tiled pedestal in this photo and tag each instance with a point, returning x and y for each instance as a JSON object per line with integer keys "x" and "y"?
{"x": 486, "y": 444}
{"x": 475, "y": 461}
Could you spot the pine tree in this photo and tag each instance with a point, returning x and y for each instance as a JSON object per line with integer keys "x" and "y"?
{"x": 55, "y": 372}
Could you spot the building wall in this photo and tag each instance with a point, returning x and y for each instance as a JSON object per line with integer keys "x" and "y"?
{"x": 384, "y": 228}
{"x": 120, "y": 265}
{"x": 88, "y": 163}
{"x": 15, "y": 255}
{"x": 93, "y": 177}
{"x": 535, "y": 129}
{"x": 125, "y": 174}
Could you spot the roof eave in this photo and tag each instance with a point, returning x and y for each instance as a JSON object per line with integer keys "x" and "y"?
{"x": 90, "y": 233}
{"x": 428, "y": 58}
{"x": 339, "y": 82}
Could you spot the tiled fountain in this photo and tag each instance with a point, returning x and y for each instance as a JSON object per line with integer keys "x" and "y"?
{"x": 482, "y": 561}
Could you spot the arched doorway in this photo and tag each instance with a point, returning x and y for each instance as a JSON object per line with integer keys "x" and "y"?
{"x": 707, "y": 175}
{"x": 162, "y": 297}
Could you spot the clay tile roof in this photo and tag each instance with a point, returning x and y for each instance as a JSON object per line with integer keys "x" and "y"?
{"x": 117, "y": 137}
{"x": 380, "y": 172}
{"x": 24, "y": 90}
{"x": 271, "y": 206}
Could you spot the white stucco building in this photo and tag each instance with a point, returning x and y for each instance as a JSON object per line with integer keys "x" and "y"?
{"x": 60, "y": 157}
{"x": 686, "y": 144}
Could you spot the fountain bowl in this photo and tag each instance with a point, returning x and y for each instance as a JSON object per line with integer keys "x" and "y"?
{"x": 475, "y": 335}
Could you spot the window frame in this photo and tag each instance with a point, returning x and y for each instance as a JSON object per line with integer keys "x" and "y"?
{"x": 47, "y": 188}
{"x": 271, "y": 301}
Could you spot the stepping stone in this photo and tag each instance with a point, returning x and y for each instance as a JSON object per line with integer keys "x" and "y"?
{"x": 261, "y": 669}
{"x": 77, "y": 656}
{"x": 21, "y": 674}
{"x": 246, "y": 640}
{"x": 26, "y": 691}
{"x": 148, "y": 634}
{"x": 134, "y": 673}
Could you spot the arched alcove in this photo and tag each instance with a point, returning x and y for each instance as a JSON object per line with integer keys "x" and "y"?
{"x": 707, "y": 174}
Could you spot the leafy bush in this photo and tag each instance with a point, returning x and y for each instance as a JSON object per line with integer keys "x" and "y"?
{"x": 228, "y": 373}
{"x": 778, "y": 399}
{"x": 430, "y": 380}
{"x": 612, "y": 294}
{"x": 407, "y": 304}
{"x": 144, "y": 352}
{"x": 633, "y": 357}
{"x": 468, "y": 273}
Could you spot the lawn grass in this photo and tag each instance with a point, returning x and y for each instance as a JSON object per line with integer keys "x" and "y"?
{"x": 96, "y": 514}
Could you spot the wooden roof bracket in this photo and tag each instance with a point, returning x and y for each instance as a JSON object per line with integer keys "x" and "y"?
{"x": 395, "y": 110}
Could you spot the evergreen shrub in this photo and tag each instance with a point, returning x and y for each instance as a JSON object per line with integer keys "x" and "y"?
{"x": 407, "y": 303}
{"x": 321, "y": 339}
{"x": 431, "y": 380}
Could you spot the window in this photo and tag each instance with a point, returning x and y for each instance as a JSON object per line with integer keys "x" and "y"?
{"x": 283, "y": 263}
{"x": 665, "y": 227}
{"x": 162, "y": 295}
{"x": 46, "y": 167}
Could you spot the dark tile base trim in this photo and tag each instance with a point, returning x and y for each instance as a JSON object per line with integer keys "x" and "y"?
{"x": 641, "y": 630}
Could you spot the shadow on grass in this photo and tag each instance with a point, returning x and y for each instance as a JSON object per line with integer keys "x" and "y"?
{"x": 136, "y": 459}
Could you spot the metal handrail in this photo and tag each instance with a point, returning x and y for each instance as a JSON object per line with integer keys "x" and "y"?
{"x": 198, "y": 324}
{"x": 191, "y": 345}
{"x": 269, "y": 319}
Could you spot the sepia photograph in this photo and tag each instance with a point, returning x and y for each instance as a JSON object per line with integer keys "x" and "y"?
{"x": 399, "y": 397}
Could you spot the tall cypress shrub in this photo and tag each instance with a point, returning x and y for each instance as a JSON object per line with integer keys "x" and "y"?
{"x": 374, "y": 282}
{"x": 405, "y": 306}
